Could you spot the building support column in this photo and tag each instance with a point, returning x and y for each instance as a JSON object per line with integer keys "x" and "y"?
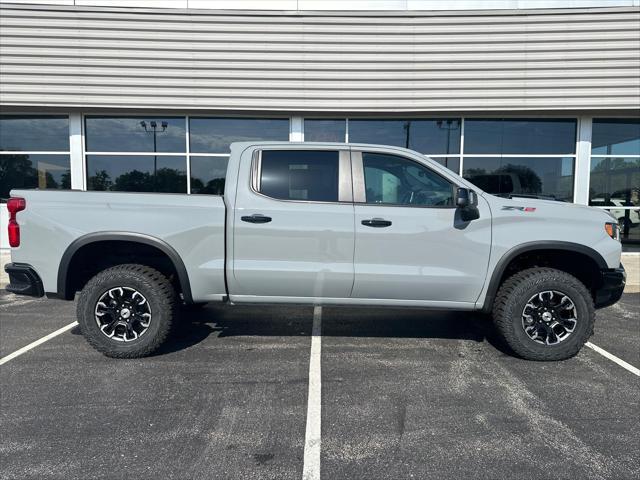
{"x": 296, "y": 132}
{"x": 583, "y": 161}
{"x": 78, "y": 177}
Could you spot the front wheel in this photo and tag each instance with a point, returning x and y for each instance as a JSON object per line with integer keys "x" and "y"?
{"x": 544, "y": 314}
{"x": 127, "y": 311}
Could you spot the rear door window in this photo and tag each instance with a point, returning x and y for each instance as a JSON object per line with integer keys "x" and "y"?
{"x": 302, "y": 175}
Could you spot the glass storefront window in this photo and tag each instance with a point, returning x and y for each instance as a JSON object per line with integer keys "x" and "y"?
{"x": 615, "y": 179}
{"x": 428, "y": 136}
{"x": 28, "y": 133}
{"x": 208, "y": 174}
{"x": 135, "y": 134}
{"x": 214, "y": 135}
{"x": 615, "y": 172}
{"x": 137, "y": 173}
{"x": 20, "y": 167}
{"x": 22, "y": 170}
{"x": 452, "y": 163}
{"x": 629, "y": 221}
{"x": 321, "y": 130}
{"x": 615, "y": 136}
{"x": 542, "y": 176}
{"x": 520, "y": 136}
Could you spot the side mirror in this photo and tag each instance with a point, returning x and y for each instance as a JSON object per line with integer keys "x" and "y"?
{"x": 462, "y": 198}
{"x": 467, "y": 203}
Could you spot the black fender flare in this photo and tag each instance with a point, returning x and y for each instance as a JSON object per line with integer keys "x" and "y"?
{"x": 164, "y": 247}
{"x": 498, "y": 271}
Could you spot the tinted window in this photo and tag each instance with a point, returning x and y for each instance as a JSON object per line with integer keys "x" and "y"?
{"x": 520, "y": 136}
{"x": 325, "y": 130}
{"x": 398, "y": 181}
{"x": 214, "y": 135}
{"x": 550, "y": 177}
{"x": 31, "y": 133}
{"x": 300, "y": 175}
{"x": 135, "y": 134}
{"x": 615, "y": 137}
{"x": 438, "y": 136}
{"x": 22, "y": 170}
{"x": 137, "y": 173}
{"x": 208, "y": 174}
{"x": 615, "y": 179}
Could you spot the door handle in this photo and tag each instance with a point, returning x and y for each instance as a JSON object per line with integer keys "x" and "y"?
{"x": 256, "y": 218}
{"x": 376, "y": 223}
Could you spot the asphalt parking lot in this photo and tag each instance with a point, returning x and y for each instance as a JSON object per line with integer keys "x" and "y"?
{"x": 404, "y": 394}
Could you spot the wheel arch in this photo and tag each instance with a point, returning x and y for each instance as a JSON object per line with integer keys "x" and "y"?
{"x": 541, "y": 247}
{"x": 63, "y": 280}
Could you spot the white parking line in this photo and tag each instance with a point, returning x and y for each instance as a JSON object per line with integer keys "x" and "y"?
{"x": 46, "y": 338}
{"x": 311, "y": 466}
{"x": 613, "y": 358}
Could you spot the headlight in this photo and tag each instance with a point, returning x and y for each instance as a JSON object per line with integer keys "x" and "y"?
{"x": 613, "y": 230}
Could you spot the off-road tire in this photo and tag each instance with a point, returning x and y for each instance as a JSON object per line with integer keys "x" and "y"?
{"x": 153, "y": 285}
{"x": 513, "y": 296}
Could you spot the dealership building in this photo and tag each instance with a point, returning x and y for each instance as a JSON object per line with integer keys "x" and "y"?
{"x": 522, "y": 97}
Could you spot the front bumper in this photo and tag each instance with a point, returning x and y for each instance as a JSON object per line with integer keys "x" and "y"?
{"x": 23, "y": 280}
{"x": 611, "y": 287}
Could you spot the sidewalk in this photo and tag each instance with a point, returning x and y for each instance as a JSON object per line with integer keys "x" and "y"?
{"x": 631, "y": 262}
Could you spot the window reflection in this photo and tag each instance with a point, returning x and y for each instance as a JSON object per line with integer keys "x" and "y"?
{"x": 214, "y": 135}
{"x": 549, "y": 177}
{"x": 615, "y": 136}
{"x": 614, "y": 180}
{"x": 208, "y": 175}
{"x": 34, "y": 133}
{"x": 21, "y": 170}
{"x": 135, "y": 134}
{"x": 452, "y": 163}
{"x": 628, "y": 220}
{"x": 520, "y": 136}
{"x": 428, "y": 136}
{"x": 320, "y": 130}
{"x": 137, "y": 173}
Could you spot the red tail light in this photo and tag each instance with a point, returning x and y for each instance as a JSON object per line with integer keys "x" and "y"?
{"x": 15, "y": 205}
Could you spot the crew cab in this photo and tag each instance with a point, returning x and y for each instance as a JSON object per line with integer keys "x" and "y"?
{"x": 318, "y": 224}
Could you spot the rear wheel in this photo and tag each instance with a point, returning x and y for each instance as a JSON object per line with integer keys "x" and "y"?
{"x": 544, "y": 314}
{"x": 127, "y": 311}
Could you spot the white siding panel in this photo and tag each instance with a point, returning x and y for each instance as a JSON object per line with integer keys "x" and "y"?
{"x": 350, "y": 62}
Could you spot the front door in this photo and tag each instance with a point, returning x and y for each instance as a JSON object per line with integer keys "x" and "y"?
{"x": 410, "y": 242}
{"x": 293, "y": 228}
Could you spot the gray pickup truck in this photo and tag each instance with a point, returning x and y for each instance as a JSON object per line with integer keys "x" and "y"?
{"x": 319, "y": 224}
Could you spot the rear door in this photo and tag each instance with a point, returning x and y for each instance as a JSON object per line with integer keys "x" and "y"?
{"x": 294, "y": 226}
{"x": 410, "y": 241}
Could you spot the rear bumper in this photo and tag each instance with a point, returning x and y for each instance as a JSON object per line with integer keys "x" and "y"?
{"x": 611, "y": 287}
{"x": 23, "y": 280}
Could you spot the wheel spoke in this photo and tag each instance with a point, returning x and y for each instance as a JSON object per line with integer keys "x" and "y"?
{"x": 549, "y": 317}
{"x": 123, "y": 314}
